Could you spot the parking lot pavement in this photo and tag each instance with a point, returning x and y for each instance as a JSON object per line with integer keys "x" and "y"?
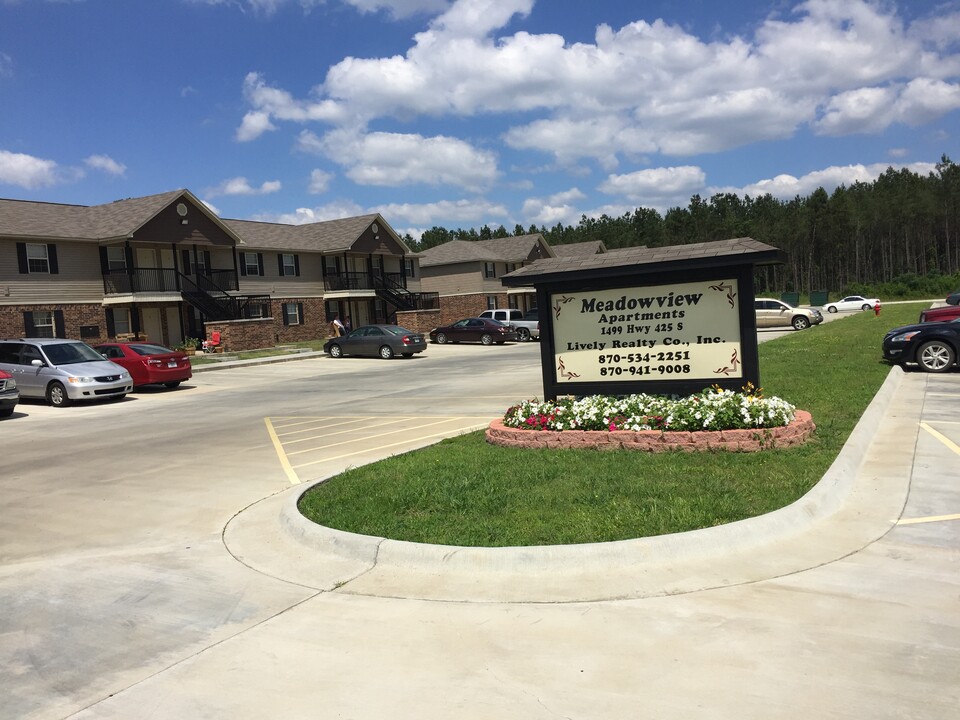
{"x": 142, "y": 584}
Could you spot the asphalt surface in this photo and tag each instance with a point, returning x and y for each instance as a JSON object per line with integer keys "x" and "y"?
{"x": 217, "y": 601}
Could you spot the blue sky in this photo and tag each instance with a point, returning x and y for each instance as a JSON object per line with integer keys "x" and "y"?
{"x": 462, "y": 113}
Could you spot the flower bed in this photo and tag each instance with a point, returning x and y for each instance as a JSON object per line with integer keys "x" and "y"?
{"x": 712, "y": 420}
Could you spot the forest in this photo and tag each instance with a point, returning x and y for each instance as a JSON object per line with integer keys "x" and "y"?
{"x": 898, "y": 235}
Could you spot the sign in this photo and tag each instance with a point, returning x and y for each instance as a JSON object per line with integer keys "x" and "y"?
{"x": 675, "y": 332}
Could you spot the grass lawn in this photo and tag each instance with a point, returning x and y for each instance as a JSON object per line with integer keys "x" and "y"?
{"x": 463, "y": 491}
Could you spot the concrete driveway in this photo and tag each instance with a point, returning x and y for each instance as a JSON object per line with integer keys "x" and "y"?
{"x": 146, "y": 571}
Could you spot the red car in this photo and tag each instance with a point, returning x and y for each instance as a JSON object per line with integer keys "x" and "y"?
{"x": 148, "y": 364}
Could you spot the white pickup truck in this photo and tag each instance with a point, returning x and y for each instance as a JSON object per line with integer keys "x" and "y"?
{"x": 527, "y": 326}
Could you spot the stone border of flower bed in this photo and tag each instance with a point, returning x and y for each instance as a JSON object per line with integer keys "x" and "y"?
{"x": 752, "y": 440}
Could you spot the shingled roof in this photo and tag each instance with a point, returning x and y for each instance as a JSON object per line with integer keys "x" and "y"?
{"x": 580, "y": 249}
{"x": 644, "y": 260}
{"x": 118, "y": 219}
{"x": 514, "y": 249}
{"x": 325, "y": 236}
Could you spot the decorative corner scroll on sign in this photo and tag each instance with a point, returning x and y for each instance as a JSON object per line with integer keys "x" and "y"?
{"x": 563, "y": 371}
{"x": 723, "y": 287}
{"x": 563, "y": 300}
{"x": 731, "y": 368}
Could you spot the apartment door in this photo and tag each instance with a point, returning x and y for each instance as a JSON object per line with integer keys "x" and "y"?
{"x": 151, "y": 324}
{"x": 174, "y": 336}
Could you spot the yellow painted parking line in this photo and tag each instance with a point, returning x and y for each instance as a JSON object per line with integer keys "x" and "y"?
{"x": 278, "y": 447}
{"x": 932, "y": 518}
{"x": 942, "y": 438}
{"x": 361, "y": 452}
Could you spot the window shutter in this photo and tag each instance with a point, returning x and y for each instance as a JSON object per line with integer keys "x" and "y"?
{"x": 185, "y": 256}
{"x": 300, "y": 313}
{"x": 243, "y": 263}
{"x": 22, "y": 258}
{"x": 52, "y": 257}
{"x": 286, "y": 318}
{"x": 111, "y": 328}
{"x": 28, "y": 330}
{"x": 296, "y": 265}
{"x": 280, "y": 264}
{"x": 260, "y": 264}
{"x": 206, "y": 260}
{"x": 104, "y": 263}
{"x": 58, "y": 323}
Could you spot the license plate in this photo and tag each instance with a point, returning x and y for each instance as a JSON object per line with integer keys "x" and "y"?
{"x": 172, "y": 364}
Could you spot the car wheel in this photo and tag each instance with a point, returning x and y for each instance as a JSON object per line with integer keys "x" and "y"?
{"x": 936, "y": 356}
{"x": 441, "y": 339}
{"x": 523, "y": 334}
{"x": 57, "y": 395}
{"x": 866, "y": 307}
{"x": 800, "y": 323}
{"x": 172, "y": 385}
{"x": 832, "y": 309}
{"x": 335, "y": 351}
{"x": 386, "y": 352}
{"x": 486, "y": 339}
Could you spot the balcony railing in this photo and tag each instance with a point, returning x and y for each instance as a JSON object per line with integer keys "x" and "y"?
{"x": 347, "y": 281}
{"x": 140, "y": 280}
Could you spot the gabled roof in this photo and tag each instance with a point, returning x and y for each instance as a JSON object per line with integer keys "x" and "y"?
{"x": 114, "y": 220}
{"x": 580, "y": 249}
{"x": 644, "y": 260}
{"x": 326, "y": 236}
{"x": 516, "y": 248}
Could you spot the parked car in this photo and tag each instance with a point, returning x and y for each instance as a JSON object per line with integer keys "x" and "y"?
{"x": 148, "y": 364}
{"x": 376, "y": 340}
{"x": 526, "y": 328}
{"x": 774, "y": 313}
{"x": 940, "y": 314}
{"x": 953, "y": 298}
{"x": 62, "y": 371}
{"x": 933, "y": 346}
{"x": 482, "y": 330}
{"x": 851, "y": 302}
{"x": 9, "y": 395}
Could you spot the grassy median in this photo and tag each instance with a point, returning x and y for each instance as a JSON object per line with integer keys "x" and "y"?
{"x": 463, "y": 491}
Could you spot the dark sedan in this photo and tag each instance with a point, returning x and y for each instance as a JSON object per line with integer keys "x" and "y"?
{"x": 482, "y": 330}
{"x": 148, "y": 364}
{"x": 383, "y": 341}
{"x": 933, "y": 345}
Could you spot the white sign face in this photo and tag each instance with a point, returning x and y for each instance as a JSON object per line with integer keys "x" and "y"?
{"x": 683, "y": 331}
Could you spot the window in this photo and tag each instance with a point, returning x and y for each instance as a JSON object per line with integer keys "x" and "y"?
{"x": 511, "y": 267}
{"x": 256, "y": 310}
{"x": 292, "y": 313}
{"x": 43, "y": 324}
{"x": 116, "y": 258}
{"x": 289, "y": 264}
{"x": 491, "y": 302}
{"x": 201, "y": 262}
{"x": 121, "y": 321}
{"x": 37, "y": 258}
{"x": 251, "y": 263}
{"x": 408, "y": 268}
{"x": 512, "y": 303}
{"x": 489, "y": 270}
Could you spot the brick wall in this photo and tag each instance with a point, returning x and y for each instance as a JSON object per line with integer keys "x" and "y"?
{"x": 421, "y": 321}
{"x": 313, "y": 325}
{"x": 244, "y": 334}
{"x": 457, "y": 307}
{"x": 86, "y": 314}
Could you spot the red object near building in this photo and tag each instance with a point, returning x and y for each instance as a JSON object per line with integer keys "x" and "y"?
{"x": 149, "y": 364}
{"x": 876, "y": 309}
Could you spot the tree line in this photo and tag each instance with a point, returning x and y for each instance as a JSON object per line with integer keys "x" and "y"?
{"x": 900, "y": 232}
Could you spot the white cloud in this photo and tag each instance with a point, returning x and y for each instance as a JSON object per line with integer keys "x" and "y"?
{"x": 447, "y": 211}
{"x": 394, "y": 159}
{"x": 319, "y": 182}
{"x": 304, "y": 216}
{"x": 787, "y": 187}
{"x": 396, "y": 8}
{"x": 839, "y": 66}
{"x": 645, "y": 187}
{"x": 242, "y": 186}
{"x": 28, "y": 171}
{"x": 6, "y": 65}
{"x": 555, "y": 208}
{"x": 106, "y": 163}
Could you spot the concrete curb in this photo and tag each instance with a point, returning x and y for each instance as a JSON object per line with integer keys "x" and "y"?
{"x": 823, "y": 500}
{"x": 253, "y": 362}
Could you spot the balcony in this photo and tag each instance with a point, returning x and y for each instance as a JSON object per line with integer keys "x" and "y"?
{"x": 152, "y": 280}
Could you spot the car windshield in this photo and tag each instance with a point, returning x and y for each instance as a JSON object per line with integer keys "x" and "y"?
{"x": 70, "y": 353}
{"x": 397, "y": 330}
{"x": 150, "y": 349}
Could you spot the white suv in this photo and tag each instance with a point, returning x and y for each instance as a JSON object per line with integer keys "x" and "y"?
{"x": 62, "y": 371}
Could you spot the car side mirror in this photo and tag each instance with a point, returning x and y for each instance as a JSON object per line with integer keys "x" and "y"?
{"x": 37, "y": 363}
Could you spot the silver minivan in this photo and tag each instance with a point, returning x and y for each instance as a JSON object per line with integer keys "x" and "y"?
{"x": 62, "y": 371}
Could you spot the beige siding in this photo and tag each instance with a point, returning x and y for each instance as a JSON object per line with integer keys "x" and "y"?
{"x": 456, "y": 279}
{"x": 308, "y": 284}
{"x": 79, "y": 279}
